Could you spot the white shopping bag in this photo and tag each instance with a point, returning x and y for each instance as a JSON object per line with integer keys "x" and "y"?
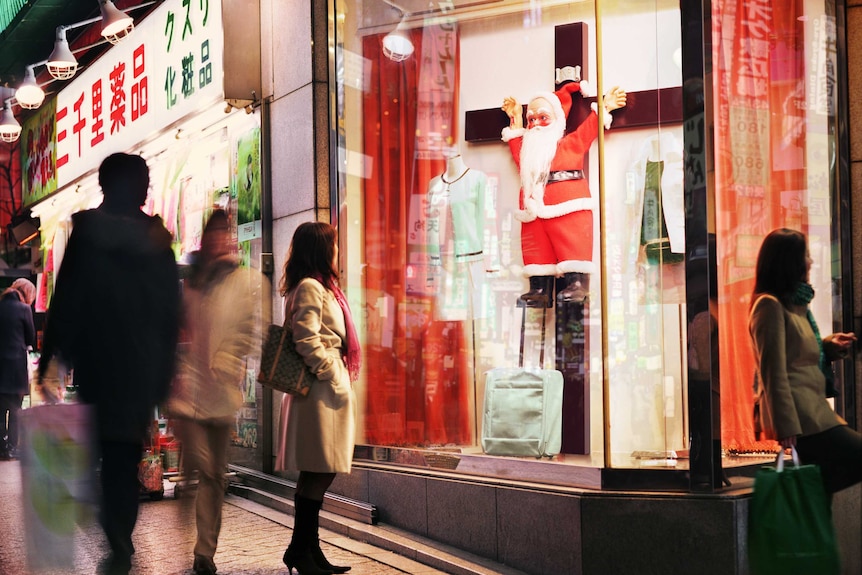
{"x": 56, "y": 473}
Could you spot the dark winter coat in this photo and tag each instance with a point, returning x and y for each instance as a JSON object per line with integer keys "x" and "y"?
{"x": 114, "y": 318}
{"x": 16, "y": 333}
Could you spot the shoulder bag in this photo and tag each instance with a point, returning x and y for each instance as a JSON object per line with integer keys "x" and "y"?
{"x": 281, "y": 366}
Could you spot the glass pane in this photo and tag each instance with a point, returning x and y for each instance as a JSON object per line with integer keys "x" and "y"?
{"x": 775, "y": 118}
{"x": 644, "y": 234}
{"x": 434, "y": 246}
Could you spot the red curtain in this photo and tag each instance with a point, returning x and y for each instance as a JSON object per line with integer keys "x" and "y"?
{"x": 418, "y": 375}
{"x": 759, "y": 87}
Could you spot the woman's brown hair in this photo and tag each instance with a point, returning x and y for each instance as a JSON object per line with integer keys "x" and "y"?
{"x": 781, "y": 264}
{"x": 311, "y": 254}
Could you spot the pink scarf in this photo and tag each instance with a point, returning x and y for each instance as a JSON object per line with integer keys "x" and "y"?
{"x": 353, "y": 355}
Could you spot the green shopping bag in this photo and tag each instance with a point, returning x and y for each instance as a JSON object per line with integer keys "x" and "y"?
{"x": 790, "y": 530}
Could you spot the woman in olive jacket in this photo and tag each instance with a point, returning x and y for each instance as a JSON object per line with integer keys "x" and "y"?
{"x": 318, "y": 439}
{"x": 794, "y": 364}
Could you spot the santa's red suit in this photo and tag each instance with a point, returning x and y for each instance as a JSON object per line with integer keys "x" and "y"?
{"x": 557, "y": 218}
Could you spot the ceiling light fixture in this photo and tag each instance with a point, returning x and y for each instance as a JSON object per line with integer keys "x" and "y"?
{"x": 397, "y": 45}
{"x": 10, "y": 129}
{"x": 62, "y": 64}
{"x": 116, "y": 24}
{"x": 29, "y": 95}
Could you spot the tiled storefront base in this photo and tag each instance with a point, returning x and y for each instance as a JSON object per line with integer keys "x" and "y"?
{"x": 542, "y": 531}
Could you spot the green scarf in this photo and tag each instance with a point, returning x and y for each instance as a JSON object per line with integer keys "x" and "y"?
{"x": 802, "y": 296}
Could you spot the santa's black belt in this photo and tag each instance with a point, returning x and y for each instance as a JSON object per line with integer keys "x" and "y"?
{"x": 565, "y": 175}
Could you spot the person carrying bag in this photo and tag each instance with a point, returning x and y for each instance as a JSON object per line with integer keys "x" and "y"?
{"x": 790, "y": 526}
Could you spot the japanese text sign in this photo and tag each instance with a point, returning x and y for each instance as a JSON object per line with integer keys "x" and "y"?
{"x": 169, "y": 67}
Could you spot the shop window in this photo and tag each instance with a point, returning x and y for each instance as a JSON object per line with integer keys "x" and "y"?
{"x": 446, "y": 260}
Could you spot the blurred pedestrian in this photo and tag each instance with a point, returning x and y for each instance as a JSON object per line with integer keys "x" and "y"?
{"x": 114, "y": 320}
{"x": 794, "y": 364}
{"x": 17, "y": 333}
{"x": 318, "y": 439}
{"x": 221, "y": 320}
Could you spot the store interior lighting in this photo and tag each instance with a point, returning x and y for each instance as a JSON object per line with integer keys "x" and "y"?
{"x": 397, "y": 45}
{"x": 10, "y": 129}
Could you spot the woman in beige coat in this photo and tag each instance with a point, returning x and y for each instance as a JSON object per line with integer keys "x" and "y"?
{"x": 319, "y": 437}
{"x": 794, "y": 364}
{"x": 221, "y": 318}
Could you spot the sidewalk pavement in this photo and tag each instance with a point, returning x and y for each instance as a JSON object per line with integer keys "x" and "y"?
{"x": 253, "y": 538}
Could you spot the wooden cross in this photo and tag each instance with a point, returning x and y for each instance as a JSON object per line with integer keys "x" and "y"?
{"x": 643, "y": 109}
{"x": 647, "y": 108}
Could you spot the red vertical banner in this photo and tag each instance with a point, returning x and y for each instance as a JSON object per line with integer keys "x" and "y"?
{"x": 410, "y": 116}
{"x": 759, "y": 174}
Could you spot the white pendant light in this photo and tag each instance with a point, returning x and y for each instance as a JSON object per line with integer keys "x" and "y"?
{"x": 62, "y": 64}
{"x": 397, "y": 45}
{"x": 10, "y": 129}
{"x": 29, "y": 95}
{"x": 116, "y": 24}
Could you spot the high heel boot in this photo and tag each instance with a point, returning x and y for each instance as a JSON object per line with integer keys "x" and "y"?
{"x": 575, "y": 290}
{"x": 316, "y": 551}
{"x": 299, "y": 554}
{"x": 540, "y": 294}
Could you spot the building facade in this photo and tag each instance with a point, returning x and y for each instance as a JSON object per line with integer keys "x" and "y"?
{"x": 387, "y": 119}
{"x": 726, "y": 96}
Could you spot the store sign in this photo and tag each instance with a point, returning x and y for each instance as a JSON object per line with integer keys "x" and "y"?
{"x": 170, "y": 66}
{"x": 38, "y": 161}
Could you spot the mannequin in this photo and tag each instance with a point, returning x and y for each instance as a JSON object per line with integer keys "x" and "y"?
{"x": 460, "y": 239}
{"x": 455, "y": 169}
{"x": 556, "y": 206}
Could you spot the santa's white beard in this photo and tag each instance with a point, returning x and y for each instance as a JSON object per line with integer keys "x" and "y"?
{"x": 537, "y": 151}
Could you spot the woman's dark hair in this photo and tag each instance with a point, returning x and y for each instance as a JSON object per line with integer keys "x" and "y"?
{"x": 312, "y": 252}
{"x": 781, "y": 263}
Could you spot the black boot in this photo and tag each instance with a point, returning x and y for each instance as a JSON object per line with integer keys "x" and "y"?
{"x": 299, "y": 554}
{"x": 540, "y": 294}
{"x": 575, "y": 290}
{"x": 316, "y": 551}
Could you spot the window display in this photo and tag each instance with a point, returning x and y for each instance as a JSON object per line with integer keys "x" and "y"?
{"x": 470, "y": 216}
{"x": 555, "y": 203}
{"x": 460, "y": 227}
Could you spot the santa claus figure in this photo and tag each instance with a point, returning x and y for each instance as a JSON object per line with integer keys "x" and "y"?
{"x": 556, "y": 207}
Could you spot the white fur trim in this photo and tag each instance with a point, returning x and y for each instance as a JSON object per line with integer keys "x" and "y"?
{"x": 540, "y": 270}
{"x": 608, "y": 118}
{"x": 530, "y": 211}
{"x": 585, "y": 88}
{"x": 524, "y": 216}
{"x": 554, "y": 101}
{"x": 512, "y": 133}
{"x": 578, "y": 266}
{"x": 567, "y": 207}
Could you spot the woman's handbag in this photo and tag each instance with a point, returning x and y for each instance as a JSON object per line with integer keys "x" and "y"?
{"x": 281, "y": 366}
{"x": 790, "y": 530}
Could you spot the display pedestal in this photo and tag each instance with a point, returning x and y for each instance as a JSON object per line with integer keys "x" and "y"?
{"x": 572, "y": 359}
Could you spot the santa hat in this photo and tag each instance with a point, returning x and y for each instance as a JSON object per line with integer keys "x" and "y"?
{"x": 561, "y": 100}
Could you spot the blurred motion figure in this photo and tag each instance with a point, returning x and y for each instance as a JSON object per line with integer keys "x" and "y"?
{"x": 114, "y": 320}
